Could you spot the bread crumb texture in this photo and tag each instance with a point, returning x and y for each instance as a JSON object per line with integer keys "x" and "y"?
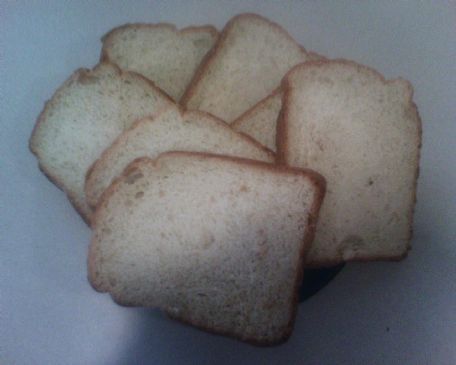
{"x": 214, "y": 242}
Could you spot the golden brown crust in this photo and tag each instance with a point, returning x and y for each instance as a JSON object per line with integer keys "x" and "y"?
{"x": 210, "y": 56}
{"x": 282, "y": 148}
{"x": 320, "y": 187}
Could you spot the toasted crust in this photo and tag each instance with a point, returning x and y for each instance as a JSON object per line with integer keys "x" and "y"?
{"x": 210, "y": 56}
{"x": 282, "y": 148}
{"x": 316, "y": 179}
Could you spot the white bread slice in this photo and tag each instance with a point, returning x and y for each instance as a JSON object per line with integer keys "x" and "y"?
{"x": 167, "y": 56}
{"x": 260, "y": 121}
{"x": 172, "y": 130}
{"x": 245, "y": 65}
{"x": 363, "y": 134}
{"x": 84, "y": 116}
{"x": 215, "y": 241}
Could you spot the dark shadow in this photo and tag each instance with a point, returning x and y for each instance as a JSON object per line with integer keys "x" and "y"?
{"x": 160, "y": 340}
{"x": 316, "y": 279}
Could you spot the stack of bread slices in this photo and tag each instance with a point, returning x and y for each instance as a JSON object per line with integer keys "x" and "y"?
{"x": 212, "y": 168}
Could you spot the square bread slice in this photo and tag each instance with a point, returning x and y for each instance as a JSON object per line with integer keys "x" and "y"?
{"x": 260, "y": 121}
{"x": 172, "y": 130}
{"x": 162, "y": 53}
{"x": 217, "y": 242}
{"x": 83, "y": 117}
{"x": 363, "y": 134}
{"x": 246, "y": 64}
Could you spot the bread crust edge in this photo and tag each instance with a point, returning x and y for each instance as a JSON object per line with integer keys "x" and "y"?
{"x": 317, "y": 180}
{"x": 90, "y": 175}
{"x": 78, "y": 74}
{"x": 207, "y": 61}
{"x": 282, "y": 147}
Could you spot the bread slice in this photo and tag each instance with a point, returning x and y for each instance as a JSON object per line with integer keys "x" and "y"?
{"x": 160, "y": 52}
{"x": 172, "y": 130}
{"x": 215, "y": 241}
{"x": 260, "y": 121}
{"x": 84, "y": 117}
{"x": 245, "y": 65}
{"x": 363, "y": 134}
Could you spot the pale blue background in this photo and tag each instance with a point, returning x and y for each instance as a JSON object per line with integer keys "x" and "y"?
{"x": 50, "y": 314}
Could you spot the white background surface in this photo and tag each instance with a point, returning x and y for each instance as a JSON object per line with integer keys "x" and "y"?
{"x": 376, "y": 313}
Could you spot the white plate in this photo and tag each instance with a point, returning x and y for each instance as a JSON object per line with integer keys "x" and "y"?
{"x": 377, "y": 313}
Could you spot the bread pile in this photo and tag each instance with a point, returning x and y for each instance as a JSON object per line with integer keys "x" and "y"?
{"x": 201, "y": 161}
